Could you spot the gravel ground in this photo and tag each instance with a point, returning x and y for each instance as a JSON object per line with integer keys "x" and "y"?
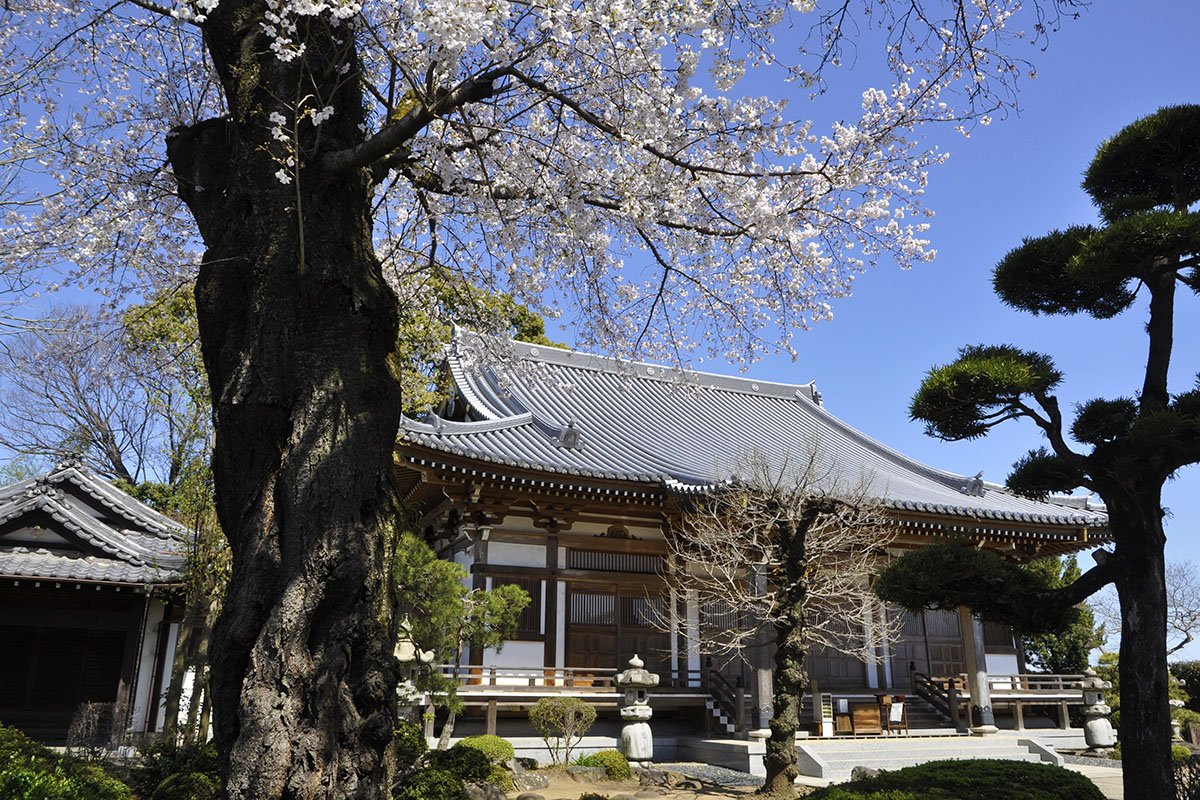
{"x": 707, "y": 772}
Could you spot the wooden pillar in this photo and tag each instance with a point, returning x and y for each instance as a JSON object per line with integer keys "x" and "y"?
{"x": 491, "y": 718}
{"x": 551, "y": 610}
{"x": 982, "y": 720}
{"x": 762, "y": 689}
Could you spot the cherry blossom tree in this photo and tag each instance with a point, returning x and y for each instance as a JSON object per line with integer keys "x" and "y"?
{"x": 308, "y": 161}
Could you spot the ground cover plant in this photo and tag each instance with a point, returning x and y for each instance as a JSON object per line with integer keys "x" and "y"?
{"x": 979, "y": 779}
{"x": 29, "y": 771}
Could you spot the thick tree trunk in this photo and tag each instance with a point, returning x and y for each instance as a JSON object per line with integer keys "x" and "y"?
{"x": 297, "y": 328}
{"x": 790, "y": 676}
{"x": 1145, "y": 730}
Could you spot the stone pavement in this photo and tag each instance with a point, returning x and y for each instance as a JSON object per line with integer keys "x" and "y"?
{"x": 1107, "y": 779}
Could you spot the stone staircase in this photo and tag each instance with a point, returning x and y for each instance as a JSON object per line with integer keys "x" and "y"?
{"x": 835, "y": 758}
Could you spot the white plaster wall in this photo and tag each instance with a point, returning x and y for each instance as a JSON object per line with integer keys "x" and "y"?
{"x": 141, "y": 699}
{"x": 560, "y": 624}
{"x": 693, "y": 636}
{"x": 523, "y": 659}
{"x": 1001, "y": 664}
{"x": 507, "y": 554}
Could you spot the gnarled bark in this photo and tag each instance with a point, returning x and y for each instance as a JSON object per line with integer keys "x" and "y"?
{"x": 297, "y": 327}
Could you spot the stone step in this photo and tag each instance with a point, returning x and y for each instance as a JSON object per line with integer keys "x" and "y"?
{"x": 843, "y": 770}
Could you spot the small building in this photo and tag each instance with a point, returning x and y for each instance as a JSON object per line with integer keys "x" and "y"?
{"x": 562, "y": 473}
{"x": 85, "y": 571}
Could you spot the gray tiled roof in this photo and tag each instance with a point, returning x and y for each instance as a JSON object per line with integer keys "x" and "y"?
{"x": 109, "y": 535}
{"x": 648, "y": 424}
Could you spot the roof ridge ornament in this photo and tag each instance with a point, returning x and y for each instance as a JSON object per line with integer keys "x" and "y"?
{"x": 974, "y": 487}
{"x": 43, "y": 486}
{"x": 568, "y": 437}
{"x": 73, "y": 459}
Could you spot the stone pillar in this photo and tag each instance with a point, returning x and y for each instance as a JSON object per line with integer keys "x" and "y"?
{"x": 977, "y": 677}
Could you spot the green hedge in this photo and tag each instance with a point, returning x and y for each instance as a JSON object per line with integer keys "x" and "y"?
{"x": 979, "y": 779}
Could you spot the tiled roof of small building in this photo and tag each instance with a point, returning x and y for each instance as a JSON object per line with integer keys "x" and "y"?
{"x": 97, "y": 532}
{"x": 574, "y": 414}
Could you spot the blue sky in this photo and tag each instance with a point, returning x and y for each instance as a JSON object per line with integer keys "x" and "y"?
{"x": 1019, "y": 177}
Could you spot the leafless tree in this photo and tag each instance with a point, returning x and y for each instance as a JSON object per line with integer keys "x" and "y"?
{"x": 1183, "y": 606}
{"x": 787, "y": 549}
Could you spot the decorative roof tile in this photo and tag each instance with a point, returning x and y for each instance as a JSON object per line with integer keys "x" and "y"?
{"x": 110, "y": 536}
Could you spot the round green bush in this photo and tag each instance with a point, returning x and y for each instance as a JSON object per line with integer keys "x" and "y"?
{"x": 410, "y": 744}
{"x": 977, "y": 779}
{"x": 614, "y": 762}
{"x": 498, "y": 750}
{"x": 1180, "y": 753}
{"x": 432, "y": 784}
{"x": 465, "y": 763}
{"x": 187, "y": 786}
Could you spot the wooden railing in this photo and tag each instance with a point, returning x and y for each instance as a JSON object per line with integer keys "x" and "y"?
{"x": 730, "y": 698}
{"x": 491, "y": 684}
{"x": 944, "y": 694}
{"x": 947, "y": 693}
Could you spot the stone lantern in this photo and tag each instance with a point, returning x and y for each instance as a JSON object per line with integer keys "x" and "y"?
{"x": 1097, "y": 731}
{"x": 636, "y": 741}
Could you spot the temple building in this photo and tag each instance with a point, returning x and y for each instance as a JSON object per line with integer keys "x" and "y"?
{"x": 85, "y": 616}
{"x": 563, "y": 473}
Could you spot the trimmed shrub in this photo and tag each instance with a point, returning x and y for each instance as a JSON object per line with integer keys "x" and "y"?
{"x": 1180, "y": 753}
{"x": 410, "y": 744}
{"x": 187, "y": 786}
{"x": 498, "y": 750}
{"x": 979, "y": 779}
{"x": 432, "y": 784}
{"x": 561, "y": 722}
{"x": 464, "y": 763}
{"x": 593, "y": 796}
{"x": 614, "y": 762}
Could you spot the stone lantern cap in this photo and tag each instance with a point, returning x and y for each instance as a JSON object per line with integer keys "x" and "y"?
{"x": 1092, "y": 681}
{"x": 637, "y": 676}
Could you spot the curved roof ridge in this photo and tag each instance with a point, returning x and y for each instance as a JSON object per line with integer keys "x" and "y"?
{"x": 645, "y": 370}
{"x": 448, "y": 427}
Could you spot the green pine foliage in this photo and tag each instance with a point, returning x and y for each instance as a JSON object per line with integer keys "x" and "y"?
{"x": 441, "y": 613}
{"x": 953, "y": 574}
{"x": 410, "y": 744}
{"x": 978, "y": 779}
{"x": 1066, "y": 651}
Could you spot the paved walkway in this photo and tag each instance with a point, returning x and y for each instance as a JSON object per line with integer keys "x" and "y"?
{"x": 1107, "y": 779}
